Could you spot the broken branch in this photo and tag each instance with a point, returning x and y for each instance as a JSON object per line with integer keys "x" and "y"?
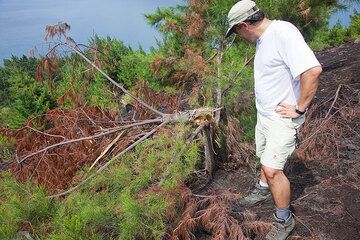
{"x": 110, "y": 79}
{"x": 109, "y": 162}
{"x": 106, "y": 149}
{"x": 90, "y": 137}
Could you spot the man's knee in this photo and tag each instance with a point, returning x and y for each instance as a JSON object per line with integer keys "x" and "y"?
{"x": 271, "y": 173}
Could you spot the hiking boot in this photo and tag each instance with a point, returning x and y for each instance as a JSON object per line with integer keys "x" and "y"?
{"x": 257, "y": 195}
{"x": 282, "y": 228}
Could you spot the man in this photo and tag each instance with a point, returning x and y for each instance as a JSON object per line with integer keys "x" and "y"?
{"x": 286, "y": 74}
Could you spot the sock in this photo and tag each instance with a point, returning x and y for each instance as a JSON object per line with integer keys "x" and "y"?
{"x": 283, "y": 213}
{"x": 263, "y": 184}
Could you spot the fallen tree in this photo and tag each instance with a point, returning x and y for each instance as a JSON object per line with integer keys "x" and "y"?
{"x": 37, "y": 147}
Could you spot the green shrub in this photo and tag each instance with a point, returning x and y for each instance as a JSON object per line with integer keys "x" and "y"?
{"x": 117, "y": 205}
{"x": 85, "y": 215}
{"x": 25, "y": 97}
{"x": 99, "y": 93}
{"x": 123, "y": 64}
{"x": 143, "y": 218}
{"x": 354, "y": 28}
{"x": 321, "y": 40}
{"x": 337, "y": 35}
{"x": 23, "y": 204}
{"x": 6, "y": 148}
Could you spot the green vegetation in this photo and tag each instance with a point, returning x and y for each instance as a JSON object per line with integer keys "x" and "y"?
{"x": 337, "y": 35}
{"x": 22, "y": 204}
{"x": 23, "y": 96}
{"x": 131, "y": 200}
{"x": 6, "y": 148}
{"x": 137, "y": 198}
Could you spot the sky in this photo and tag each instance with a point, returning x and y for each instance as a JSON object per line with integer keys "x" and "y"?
{"x": 23, "y": 22}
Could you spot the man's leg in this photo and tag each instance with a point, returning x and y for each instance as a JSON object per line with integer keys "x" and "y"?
{"x": 280, "y": 190}
{"x": 280, "y": 144}
{"x": 279, "y": 186}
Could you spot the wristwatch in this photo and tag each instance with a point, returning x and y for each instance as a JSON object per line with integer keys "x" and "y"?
{"x": 300, "y": 112}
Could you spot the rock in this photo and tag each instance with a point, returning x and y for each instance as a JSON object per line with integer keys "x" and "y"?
{"x": 352, "y": 147}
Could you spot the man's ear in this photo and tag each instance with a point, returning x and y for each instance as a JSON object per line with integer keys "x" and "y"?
{"x": 244, "y": 25}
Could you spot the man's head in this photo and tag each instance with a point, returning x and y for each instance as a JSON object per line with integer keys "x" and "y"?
{"x": 243, "y": 18}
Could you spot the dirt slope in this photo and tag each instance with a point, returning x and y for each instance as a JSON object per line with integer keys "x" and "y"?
{"x": 325, "y": 171}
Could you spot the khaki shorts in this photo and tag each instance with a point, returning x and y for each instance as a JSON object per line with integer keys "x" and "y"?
{"x": 275, "y": 139}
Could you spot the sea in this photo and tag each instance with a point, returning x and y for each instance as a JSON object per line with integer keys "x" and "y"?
{"x": 23, "y": 22}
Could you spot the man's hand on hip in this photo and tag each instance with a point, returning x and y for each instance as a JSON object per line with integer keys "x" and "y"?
{"x": 287, "y": 111}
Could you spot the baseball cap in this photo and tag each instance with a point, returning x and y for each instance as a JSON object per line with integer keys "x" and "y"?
{"x": 239, "y": 13}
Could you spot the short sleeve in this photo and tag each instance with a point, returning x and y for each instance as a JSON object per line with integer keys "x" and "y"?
{"x": 295, "y": 52}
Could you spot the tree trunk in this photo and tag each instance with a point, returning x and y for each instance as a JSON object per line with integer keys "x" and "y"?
{"x": 218, "y": 88}
{"x": 209, "y": 151}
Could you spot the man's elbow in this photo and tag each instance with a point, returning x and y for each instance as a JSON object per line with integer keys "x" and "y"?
{"x": 316, "y": 71}
{"x": 312, "y": 74}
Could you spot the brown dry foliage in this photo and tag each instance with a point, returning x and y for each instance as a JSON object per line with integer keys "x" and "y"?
{"x": 199, "y": 5}
{"x": 46, "y": 69}
{"x": 48, "y": 65}
{"x": 211, "y": 215}
{"x": 195, "y": 25}
{"x": 240, "y": 153}
{"x": 305, "y": 10}
{"x": 71, "y": 96}
{"x": 56, "y": 168}
{"x": 191, "y": 67}
{"x": 172, "y": 26}
{"x": 162, "y": 101}
{"x": 194, "y": 59}
{"x": 328, "y": 124}
{"x": 187, "y": 71}
{"x": 58, "y": 30}
{"x": 160, "y": 63}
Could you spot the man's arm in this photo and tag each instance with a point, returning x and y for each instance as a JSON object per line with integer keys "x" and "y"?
{"x": 309, "y": 81}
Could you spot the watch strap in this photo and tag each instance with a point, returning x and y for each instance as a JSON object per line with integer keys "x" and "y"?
{"x": 300, "y": 112}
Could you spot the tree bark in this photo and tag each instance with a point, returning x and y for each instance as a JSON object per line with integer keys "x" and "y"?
{"x": 209, "y": 151}
{"x": 218, "y": 88}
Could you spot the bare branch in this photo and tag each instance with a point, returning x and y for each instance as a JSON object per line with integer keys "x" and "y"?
{"x": 87, "y": 116}
{"x": 46, "y": 134}
{"x": 195, "y": 133}
{"x": 106, "y": 149}
{"x": 91, "y": 137}
{"x": 319, "y": 128}
{"x": 333, "y": 103}
{"x": 110, "y": 79}
{"x": 109, "y": 162}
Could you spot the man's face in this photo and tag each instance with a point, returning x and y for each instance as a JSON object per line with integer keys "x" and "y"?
{"x": 244, "y": 31}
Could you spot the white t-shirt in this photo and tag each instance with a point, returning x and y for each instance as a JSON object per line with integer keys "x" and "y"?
{"x": 282, "y": 55}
